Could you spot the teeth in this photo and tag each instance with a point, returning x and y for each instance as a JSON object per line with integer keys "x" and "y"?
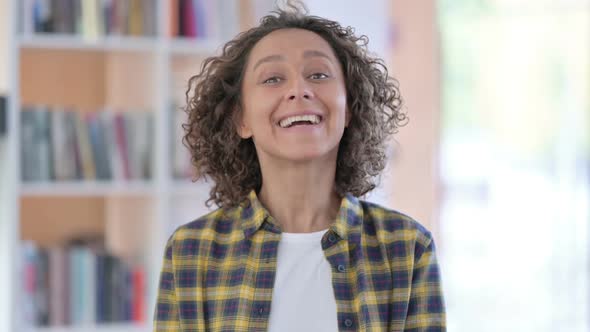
{"x": 287, "y": 122}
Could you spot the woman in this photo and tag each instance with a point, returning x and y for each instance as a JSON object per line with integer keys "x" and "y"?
{"x": 290, "y": 122}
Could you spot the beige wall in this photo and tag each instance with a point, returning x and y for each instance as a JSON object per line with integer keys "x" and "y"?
{"x": 415, "y": 181}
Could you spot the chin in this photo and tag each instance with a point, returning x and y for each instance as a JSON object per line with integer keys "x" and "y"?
{"x": 306, "y": 155}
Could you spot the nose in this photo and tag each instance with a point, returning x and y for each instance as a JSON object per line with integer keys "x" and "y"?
{"x": 299, "y": 89}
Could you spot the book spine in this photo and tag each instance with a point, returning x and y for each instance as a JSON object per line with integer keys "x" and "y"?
{"x": 99, "y": 147}
{"x": 112, "y": 150}
{"x": 174, "y": 13}
{"x": 43, "y": 170}
{"x": 131, "y": 143}
{"x": 59, "y": 145}
{"x": 42, "y": 297}
{"x": 149, "y": 17}
{"x": 135, "y": 18}
{"x": 27, "y": 134}
{"x": 90, "y": 284}
{"x": 122, "y": 144}
{"x": 29, "y": 285}
{"x": 57, "y": 292}
{"x": 73, "y": 162}
{"x": 75, "y": 302}
{"x": 84, "y": 148}
{"x": 138, "y": 297}
{"x": 3, "y": 115}
{"x": 101, "y": 275}
{"x": 143, "y": 144}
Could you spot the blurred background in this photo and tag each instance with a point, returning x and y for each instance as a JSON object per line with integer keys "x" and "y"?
{"x": 494, "y": 161}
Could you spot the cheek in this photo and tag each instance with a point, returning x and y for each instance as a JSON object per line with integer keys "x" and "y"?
{"x": 336, "y": 92}
{"x": 258, "y": 111}
{"x": 265, "y": 101}
{"x": 339, "y": 103}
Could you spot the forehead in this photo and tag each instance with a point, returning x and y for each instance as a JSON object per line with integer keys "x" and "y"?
{"x": 289, "y": 43}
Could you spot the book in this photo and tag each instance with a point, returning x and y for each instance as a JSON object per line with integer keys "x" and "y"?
{"x": 27, "y": 133}
{"x": 88, "y": 166}
{"x": 174, "y": 18}
{"x": 99, "y": 147}
{"x": 29, "y": 283}
{"x": 82, "y": 271}
{"x": 59, "y": 145}
{"x": 73, "y": 161}
{"x": 36, "y": 154}
{"x": 58, "y": 287}
{"x": 3, "y": 115}
{"x": 122, "y": 145}
{"x": 138, "y": 285}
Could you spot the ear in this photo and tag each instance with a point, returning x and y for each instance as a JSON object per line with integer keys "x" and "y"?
{"x": 347, "y": 117}
{"x": 242, "y": 127}
{"x": 244, "y": 131}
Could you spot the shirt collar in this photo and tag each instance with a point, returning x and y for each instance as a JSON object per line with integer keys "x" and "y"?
{"x": 253, "y": 216}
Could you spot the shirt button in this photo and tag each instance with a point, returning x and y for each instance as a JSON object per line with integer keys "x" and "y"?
{"x": 331, "y": 238}
{"x": 261, "y": 311}
{"x": 341, "y": 268}
{"x": 348, "y": 322}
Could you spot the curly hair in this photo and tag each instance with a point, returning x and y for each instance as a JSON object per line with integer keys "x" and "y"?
{"x": 213, "y": 106}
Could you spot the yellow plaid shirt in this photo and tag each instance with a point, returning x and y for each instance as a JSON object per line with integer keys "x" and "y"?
{"x": 218, "y": 271}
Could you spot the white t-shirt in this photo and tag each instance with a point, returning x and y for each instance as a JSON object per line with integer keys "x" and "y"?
{"x": 303, "y": 296}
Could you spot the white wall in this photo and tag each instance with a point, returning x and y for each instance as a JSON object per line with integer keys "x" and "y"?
{"x": 370, "y": 18}
{"x": 367, "y": 17}
{"x": 6, "y": 224}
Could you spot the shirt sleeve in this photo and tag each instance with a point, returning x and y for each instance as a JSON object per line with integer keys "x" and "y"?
{"x": 166, "y": 312}
{"x": 426, "y": 310}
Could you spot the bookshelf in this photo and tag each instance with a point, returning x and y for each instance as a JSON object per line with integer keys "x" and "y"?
{"x": 104, "y": 328}
{"x": 92, "y": 72}
{"x": 123, "y": 73}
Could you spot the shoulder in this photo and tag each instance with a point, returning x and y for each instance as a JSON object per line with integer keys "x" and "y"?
{"x": 188, "y": 238}
{"x": 395, "y": 229}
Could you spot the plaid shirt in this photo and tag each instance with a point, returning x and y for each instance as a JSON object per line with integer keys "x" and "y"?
{"x": 218, "y": 271}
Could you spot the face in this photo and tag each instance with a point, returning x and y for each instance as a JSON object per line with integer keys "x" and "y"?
{"x": 293, "y": 97}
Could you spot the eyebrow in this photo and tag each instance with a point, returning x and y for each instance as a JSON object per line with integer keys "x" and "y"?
{"x": 278, "y": 57}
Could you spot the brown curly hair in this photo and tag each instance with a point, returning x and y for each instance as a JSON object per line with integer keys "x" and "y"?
{"x": 214, "y": 101}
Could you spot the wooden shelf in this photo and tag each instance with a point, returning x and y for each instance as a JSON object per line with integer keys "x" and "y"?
{"x": 188, "y": 46}
{"x": 175, "y": 46}
{"x": 74, "y": 42}
{"x": 187, "y": 187}
{"x": 88, "y": 188}
{"x": 107, "y": 327}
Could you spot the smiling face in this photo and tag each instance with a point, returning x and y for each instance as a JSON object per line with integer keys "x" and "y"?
{"x": 293, "y": 97}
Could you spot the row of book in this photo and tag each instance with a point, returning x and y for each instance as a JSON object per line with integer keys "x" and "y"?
{"x": 91, "y": 18}
{"x": 80, "y": 285}
{"x": 206, "y": 19}
{"x": 63, "y": 144}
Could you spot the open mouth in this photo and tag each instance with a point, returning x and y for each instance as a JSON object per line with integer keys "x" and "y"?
{"x": 300, "y": 120}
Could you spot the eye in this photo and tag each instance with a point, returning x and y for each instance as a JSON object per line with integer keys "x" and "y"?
{"x": 272, "y": 80}
{"x": 318, "y": 76}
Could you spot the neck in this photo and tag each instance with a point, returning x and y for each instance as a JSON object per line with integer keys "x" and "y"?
{"x": 301, "y": 197}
